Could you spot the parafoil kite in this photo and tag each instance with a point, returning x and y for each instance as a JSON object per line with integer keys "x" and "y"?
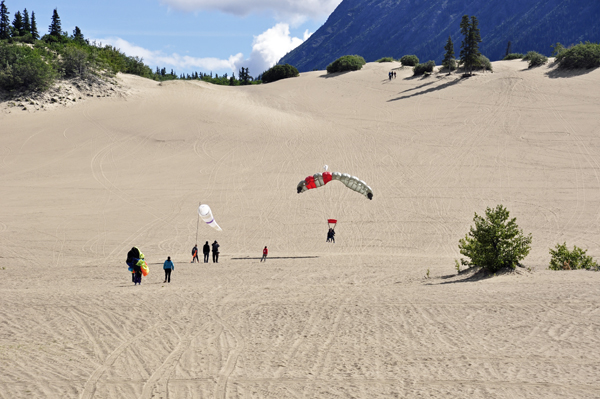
{"x": 135, "y": 257}
{"x": 320, "y": 179}
{"x": 206, "y": 215}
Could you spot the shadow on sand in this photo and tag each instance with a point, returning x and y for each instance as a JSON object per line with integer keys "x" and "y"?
{"x": 557, "y": 73}
{"x": 430, "y": 90}
{"x": 277, "y": 257}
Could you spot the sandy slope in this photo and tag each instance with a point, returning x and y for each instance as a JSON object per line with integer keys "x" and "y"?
{"x": 356, "y": 319}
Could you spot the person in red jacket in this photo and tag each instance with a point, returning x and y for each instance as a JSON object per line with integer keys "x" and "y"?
{"x": 265, "y": 253}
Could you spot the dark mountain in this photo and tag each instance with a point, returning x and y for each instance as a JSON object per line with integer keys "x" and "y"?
{"x": 393, "y": 28}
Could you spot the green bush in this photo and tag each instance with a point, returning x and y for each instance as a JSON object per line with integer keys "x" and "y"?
{"x": 279, "y": 72}
{"x": 386, "y": 59}
{"x": 513, "y": 56}
{"x": 563, "y": 259}
{"x": 23, "y": 67}
{"x": 74, "y": 62}
{"x": 422, "y": 68}
{"x": 584, "y": 55}
{"x": 409, "y": 60}
{"x": 484, "y": 62}
{"x": 450, "y": 65}
{"x": 535, "y": 59}
{"x": 346, "y": 63}
{"x": 495, "y": 242}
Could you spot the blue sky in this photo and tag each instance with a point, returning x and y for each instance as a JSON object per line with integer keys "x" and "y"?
{"x": 190, "y": 35}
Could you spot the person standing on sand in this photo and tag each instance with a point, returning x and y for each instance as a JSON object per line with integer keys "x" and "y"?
{"x": 215, "y": 251}
{"x": 206, "y": 251}
{"x": 265, "y": 253}
{"x": 195, "y": 254}
{"x": 168, "y": 266}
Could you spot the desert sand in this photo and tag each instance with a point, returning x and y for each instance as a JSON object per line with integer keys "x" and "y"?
{"x": 359, "y": 318}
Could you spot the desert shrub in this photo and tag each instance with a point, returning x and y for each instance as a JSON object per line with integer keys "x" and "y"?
{"x": 279, "y": 72}
{"x": 23, "y": 67}
{"x": 535, "y": 59}
{"x": 563, "y": 259}
{"x": 386, "y": 59}
{"x": 557, "y": 49}
{"x": 422, "y": 68}
{"x": 484, "y": 62}
{"x": 495, "y": 242}
{"x": 513, "y": 56}
{"x": 346, "y": 63}
{"x": 584, "y": 55}
{"x": 409, "y": 60}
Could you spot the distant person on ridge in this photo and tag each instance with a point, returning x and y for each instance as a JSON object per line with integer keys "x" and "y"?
{"x": 265, "y": 253}
{"x": 206, "y": 251}
{"x": 168, "y": 266}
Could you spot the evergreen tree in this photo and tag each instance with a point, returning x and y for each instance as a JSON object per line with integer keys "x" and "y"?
{"x": 508, "y": 48}
{"x": 448, "y": 61}
{"x": 469, "y": 53}
{"x": 4, "y": 21}
{"x": 77, "y": 35}
{"x": 26, "y": 22}
{"x": 34, "y": 31}
{"x": 18, "y": 25}
{"x": 55, "y": 27}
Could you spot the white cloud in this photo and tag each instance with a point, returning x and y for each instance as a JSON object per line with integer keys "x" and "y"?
{"x": 269, "y": 47}
{"x": 288, "y": 10}
{"x": 175, "y": 61}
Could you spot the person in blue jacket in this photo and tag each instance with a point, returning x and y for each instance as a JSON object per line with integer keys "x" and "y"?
{"x": 168, "y": 266}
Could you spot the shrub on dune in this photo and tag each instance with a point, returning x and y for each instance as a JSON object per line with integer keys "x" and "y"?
{"x": 279, "y": 72}
{"x": 563, "y": 259}
{"x": 346, "y": 63}
{"x": 513, "y": 56}
{"x": 535, "y": 59}
{"x": 409, "y": 60}
{"x": 386, "y": 59}
{"x": 423, "y": 68}
{"x": 584, "y": 55}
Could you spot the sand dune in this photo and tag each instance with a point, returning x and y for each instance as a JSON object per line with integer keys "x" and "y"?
{"x": 354, "y": 319}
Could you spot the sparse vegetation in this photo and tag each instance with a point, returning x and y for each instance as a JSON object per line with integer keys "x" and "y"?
{"x": 469, "y": 53}
{"x": 23, "y": 67}
{"x": 386, "y": 59}
{"x": 584, "y": 55}
{"x": 535, "y": 59}
{"x": 346, "y": 63}
{"x": 424, "y": 68}
{"x": 495, "y": 242}
{"x": 563, "y": 259}
{"x": 409, "y": 60}
{"x": 484, "y": 63}
{"x": 513, "y": 56}
{"x": 279, "y": 72}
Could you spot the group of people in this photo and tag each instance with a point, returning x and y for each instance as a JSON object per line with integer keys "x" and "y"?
{"x": 392, "y": 75}
{"x": 206, "y": 252}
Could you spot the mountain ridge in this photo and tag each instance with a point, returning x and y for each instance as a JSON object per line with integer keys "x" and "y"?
{"x": 383, "y": 28}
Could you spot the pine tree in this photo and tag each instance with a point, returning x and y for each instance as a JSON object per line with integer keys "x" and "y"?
{"x": 4, "y": 21}
{"x": 26, "y": 22}
{"x": 449, "y": 61}
{"x": 34, "y": 31}
{"x": 469, "y": 53}
{"x": 55, "y": 28}
{"x": 508, "y": 48}
{"x": 18, "y": 25}
{"x": 77, "y": 35}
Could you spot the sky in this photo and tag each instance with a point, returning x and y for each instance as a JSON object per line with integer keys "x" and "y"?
{"x": 218, "y": 36}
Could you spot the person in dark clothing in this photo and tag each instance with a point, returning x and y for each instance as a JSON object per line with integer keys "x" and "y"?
{"x": 206, "y": 251}
{"x": 133, "y": 256}
{"x": 168, "y": 266}
{"x": 195, "y": 254}
{"x": 215, "y": 251}
{"x": 330, "y": 235}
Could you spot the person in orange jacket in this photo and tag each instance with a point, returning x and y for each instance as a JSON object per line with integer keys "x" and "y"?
{"x": 265, "y": 253}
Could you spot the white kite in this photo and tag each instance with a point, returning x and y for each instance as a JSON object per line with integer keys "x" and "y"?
{"x": 207, "y": 216}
